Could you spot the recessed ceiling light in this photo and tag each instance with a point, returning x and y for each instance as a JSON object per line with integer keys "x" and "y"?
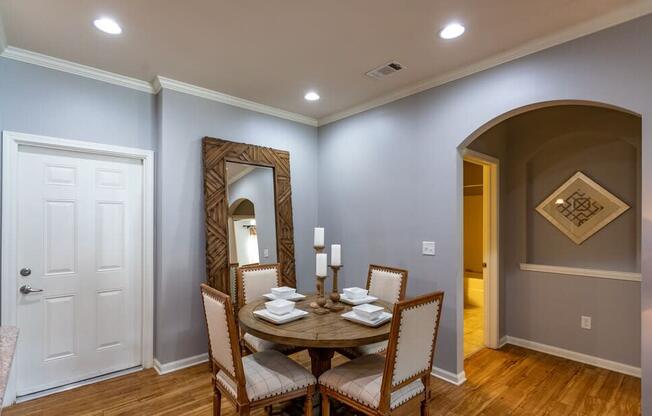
{"x": 108, "y": 25}
{"x": 452, "y": 31}
{"x": 311, "y": 96}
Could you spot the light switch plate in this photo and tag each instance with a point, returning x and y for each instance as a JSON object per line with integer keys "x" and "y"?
{"x": 428, "y": 248}
{"x": 266, "y": 253}
{"x": 585, "y": 322}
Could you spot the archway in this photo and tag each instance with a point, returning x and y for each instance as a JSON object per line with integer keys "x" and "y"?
{"x": 532, "y": 270}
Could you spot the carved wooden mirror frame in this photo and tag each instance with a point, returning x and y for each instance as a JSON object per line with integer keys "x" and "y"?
{"x": 216, "y": 152}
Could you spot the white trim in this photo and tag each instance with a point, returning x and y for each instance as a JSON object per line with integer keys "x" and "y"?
{"x": 46, "y": 61}
{"x": 579, "y": 271}
{"x": 502, "y": 342}
{"x": 576, "y": 356}
{"x": 457, "y": 379}
{"x": 3, "y": 36}
{"x": 491, "y": 243}
{"x": 616, "y": 17}
{"x": 171, "y": 84}
{"x": 179, "y": 364}
{"x": 11, "y": 141}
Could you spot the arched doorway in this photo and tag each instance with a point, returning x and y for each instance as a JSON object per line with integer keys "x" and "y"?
{"x": 539, "y": 148}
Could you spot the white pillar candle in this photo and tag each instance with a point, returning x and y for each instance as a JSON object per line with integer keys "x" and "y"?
{"x": 336, "y": 255}
{"x": 322, "y": 261}
{"x": 319, "y": 237}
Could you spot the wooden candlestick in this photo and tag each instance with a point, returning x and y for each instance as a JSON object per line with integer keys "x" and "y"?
{"x": 335, "y": 304}
{"x": 321, "y": 300}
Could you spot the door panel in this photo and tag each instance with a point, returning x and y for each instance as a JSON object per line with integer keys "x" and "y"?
{"x": 79, "y": 230}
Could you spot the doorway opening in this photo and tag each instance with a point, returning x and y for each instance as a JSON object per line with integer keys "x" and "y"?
{"x": 480, "y": 278}
{"x": 473, "y": 259}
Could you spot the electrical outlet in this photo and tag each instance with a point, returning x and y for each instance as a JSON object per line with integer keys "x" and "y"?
{"x": 428, "y": 248}
{"x": 266, "y": 253}
{"x": 585, "y": 322}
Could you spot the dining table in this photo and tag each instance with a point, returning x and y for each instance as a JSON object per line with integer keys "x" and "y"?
{"x": 320, "y": 334}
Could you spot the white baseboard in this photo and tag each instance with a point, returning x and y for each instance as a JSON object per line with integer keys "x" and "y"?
{"x": 179, "y": 364}
{"x": 576, "y": 356}
{"x": 457, "y": 379}
{"x": 502, "y": 342}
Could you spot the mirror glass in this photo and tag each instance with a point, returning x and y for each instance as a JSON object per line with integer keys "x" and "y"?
{"x": 252, "y": 214}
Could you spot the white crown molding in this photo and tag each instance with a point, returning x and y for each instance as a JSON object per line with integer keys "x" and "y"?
{"x": 576, "y": 356}
{"x": 600, "y": 23}
{"x": 46, "y": 61}
{"x": 171, "y": 84}
{"x": 179, "y": 364}
{"x": 579, "y": 271}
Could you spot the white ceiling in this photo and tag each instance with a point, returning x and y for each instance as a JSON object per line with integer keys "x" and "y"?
{"x": 273, "y": 51}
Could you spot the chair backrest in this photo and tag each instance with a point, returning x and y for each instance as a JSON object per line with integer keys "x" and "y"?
{"x": 387, "y": 283}
{"x": 222, "y": 333}
{"x": 415, "y": 324}
{"x": 254, "y": 281}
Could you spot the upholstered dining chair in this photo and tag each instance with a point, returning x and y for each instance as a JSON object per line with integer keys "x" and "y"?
{"x": 253, "y": 381}
{"x": 387, "y": 284}
{"x": 398, "y": 383}
{"x": 253, "y": 281}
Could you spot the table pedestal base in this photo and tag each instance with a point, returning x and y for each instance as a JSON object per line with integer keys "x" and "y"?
{"x": 320, "y": 360}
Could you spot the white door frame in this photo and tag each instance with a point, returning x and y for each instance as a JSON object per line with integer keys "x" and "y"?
{"x": 491, "y": 237}
{"x": 8, "y": 284}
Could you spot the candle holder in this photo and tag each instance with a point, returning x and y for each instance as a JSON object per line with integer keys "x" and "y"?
{"x": 318, "y": 307}
{"x": 334, "y": 304}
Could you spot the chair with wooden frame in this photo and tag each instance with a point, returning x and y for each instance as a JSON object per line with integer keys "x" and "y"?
{"x": 253, "y": 381}
{"x": 387, "y": 284}
{"x": 253, "y": 281}
{"x": 398, "y": 384}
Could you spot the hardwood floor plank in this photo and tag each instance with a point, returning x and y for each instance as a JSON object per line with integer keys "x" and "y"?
{"x": 509, "y": 381}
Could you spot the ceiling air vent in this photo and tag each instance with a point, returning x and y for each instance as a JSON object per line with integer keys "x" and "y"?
{"x": 387, "y": 69}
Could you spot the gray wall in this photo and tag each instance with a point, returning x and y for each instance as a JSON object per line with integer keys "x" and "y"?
{"x": 258, "y": 187}
{"x": 185, "y": 120}
{"x": 538, "y": 151}
{"x": 413, "y": 144}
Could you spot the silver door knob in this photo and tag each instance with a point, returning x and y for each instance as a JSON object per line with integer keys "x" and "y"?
{"x": 27, "y": 289}
{"x": 25, "y": 271}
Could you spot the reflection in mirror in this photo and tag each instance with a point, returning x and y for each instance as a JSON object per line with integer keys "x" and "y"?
{"x": 252, "y": 214}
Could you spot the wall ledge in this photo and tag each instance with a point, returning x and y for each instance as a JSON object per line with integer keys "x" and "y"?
{"x": 578, "y": 271}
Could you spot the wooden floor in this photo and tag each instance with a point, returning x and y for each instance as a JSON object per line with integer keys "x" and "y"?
{"x": 510, "y": 381}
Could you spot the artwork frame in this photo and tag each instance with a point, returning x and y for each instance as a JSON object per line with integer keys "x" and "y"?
{"x": 581, "y": 207}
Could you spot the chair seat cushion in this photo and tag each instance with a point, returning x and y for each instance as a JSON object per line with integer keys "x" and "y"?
{"x": 361, "y": 380}
{"x": 268, "y": 374}
{"x": 256, "y": 344}
{"x": 375, "y": 348}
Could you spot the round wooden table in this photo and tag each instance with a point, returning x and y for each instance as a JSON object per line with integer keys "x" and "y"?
{"x": 321, "y": 334}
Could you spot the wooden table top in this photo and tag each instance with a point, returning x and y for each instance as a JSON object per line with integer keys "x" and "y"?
{"x": 313, "y": 331}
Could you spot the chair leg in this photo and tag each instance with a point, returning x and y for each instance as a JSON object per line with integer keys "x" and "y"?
{"x": 325, "y": 405}
{"x": 425, "y": 404}
{"x": 308, "y": 406}
{"x": 217, "y": 402}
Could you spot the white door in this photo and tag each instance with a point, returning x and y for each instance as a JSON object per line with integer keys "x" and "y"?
{"x": 79, "y": 233}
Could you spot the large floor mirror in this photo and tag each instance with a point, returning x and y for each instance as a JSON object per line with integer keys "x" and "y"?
{"x": 248, "y": 202}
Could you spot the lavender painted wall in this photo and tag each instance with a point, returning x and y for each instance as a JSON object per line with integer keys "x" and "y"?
{"x": 185, "y": 120}
{"x": 371, "y": 163}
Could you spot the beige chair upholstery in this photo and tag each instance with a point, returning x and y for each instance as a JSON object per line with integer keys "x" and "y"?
{"x": 387, "y": 284}
{"x": 361, "y": 380}
{"x": 253, "y": 282}
{"x": 256, "y": 380}
{"x": 384, "y": 384}
{"x": 268, "y": 374}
